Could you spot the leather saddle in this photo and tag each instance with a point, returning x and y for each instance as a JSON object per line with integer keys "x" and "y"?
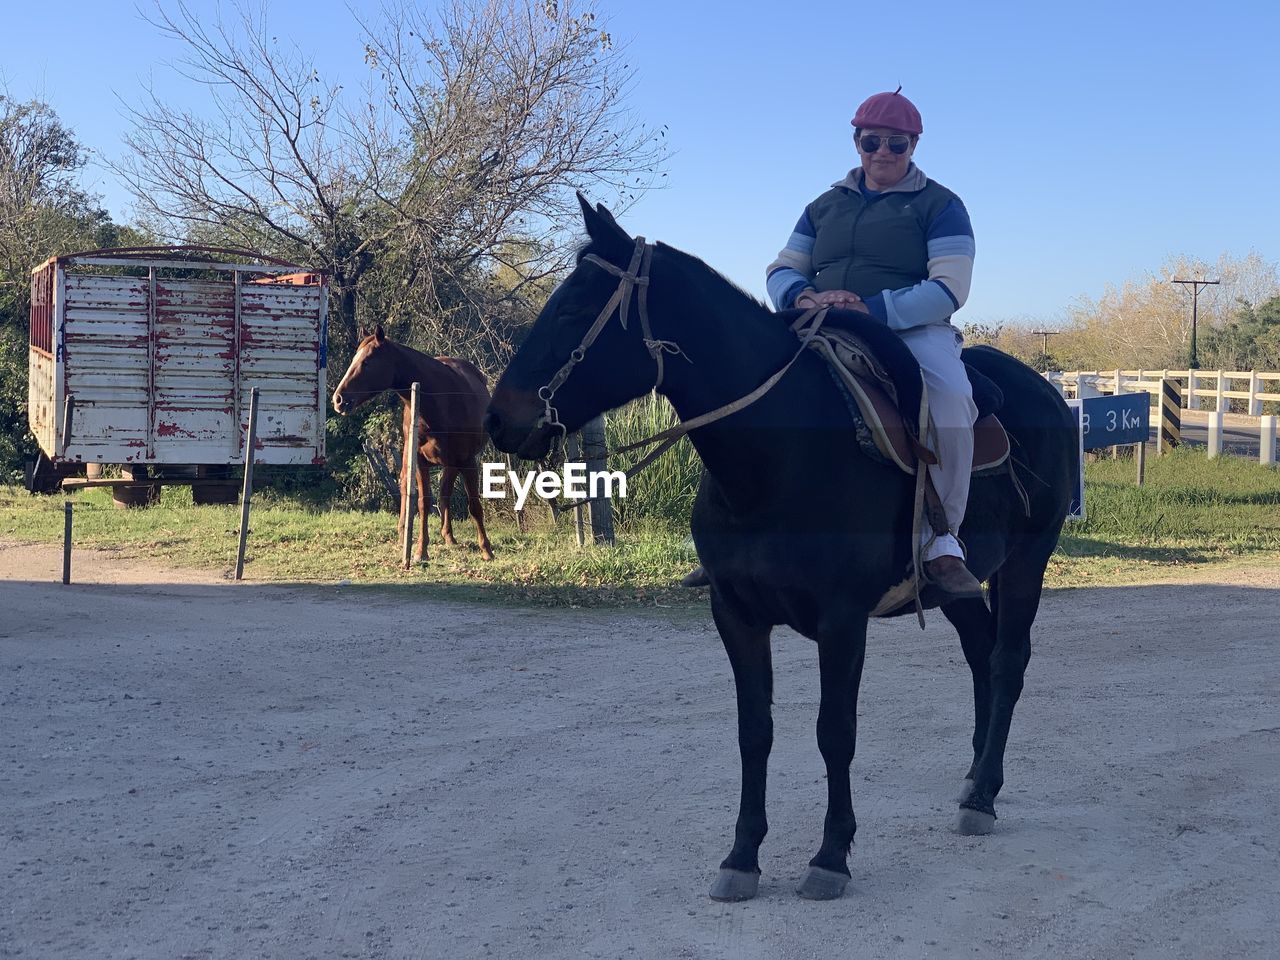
{"x": 881, "y": 382}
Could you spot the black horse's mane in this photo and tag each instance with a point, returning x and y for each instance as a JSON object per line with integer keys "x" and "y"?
{"x": 698, "y": 270}
{"x": 885, "y": 343}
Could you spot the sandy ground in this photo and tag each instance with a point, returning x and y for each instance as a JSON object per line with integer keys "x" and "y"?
{"x": 192, "y": 768}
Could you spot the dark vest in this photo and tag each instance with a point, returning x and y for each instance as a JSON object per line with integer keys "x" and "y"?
{"x": 868, "y": 245}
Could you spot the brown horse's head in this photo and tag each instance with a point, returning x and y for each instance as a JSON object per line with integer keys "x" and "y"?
{"x": 372, "y": 370}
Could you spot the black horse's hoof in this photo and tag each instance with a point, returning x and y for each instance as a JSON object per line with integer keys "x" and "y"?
{"x": 974, "y": 823}
{"x": 822, "y": 884}
{"x": 734, "y": 885}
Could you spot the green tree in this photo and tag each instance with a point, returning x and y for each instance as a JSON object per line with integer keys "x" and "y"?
{"x": 1250, "y": 340}
{"x": 43, "y": 212}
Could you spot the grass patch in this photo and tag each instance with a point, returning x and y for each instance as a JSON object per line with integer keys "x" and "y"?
{"x": 291, "y": 541}
{"x": 1191, "y": 512}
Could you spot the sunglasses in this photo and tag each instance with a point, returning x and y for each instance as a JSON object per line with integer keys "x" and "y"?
{"x": 898, "y": 144}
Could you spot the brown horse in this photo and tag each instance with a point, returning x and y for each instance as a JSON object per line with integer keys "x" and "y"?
{"x": 450, "y": 433}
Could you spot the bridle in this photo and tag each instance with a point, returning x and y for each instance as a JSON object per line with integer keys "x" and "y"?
{"x": 635, "y": 276}
{"x": 806, "y": 326}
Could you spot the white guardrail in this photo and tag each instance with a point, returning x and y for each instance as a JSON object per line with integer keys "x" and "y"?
{"x": 1201, "y": 390}
{"x": 1206, "y": 391}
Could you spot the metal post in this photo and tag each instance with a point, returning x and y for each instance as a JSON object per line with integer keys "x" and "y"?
{"x": 593, "y": 452}
{"x": 246, "y": 494}
{"x": 1267, "y": 441}
{"x": 1215, "y": 434}
{"x": 66, "y": 542}
{"x": 410, "y": 499}
{"x": 1142, "y": 462}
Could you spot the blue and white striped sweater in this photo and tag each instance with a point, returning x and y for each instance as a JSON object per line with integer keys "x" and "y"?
{"x": 950, "y": 251}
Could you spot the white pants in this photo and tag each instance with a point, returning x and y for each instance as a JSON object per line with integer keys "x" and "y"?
{"x": 953, "y": 413}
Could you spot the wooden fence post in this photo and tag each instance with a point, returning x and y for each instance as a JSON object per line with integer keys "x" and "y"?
{"x": 1267, "y": 441}
{"x": 571, "y": 453}
{"x": 519, "y": 513}
{"x": 593, "y": 451}
{"x": 410, "y": 498}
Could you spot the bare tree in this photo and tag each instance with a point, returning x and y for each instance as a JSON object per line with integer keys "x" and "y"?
{"x": 443, "y": 195}
{"x": 271, "y": 167}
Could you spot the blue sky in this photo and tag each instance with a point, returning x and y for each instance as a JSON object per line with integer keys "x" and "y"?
{"x": 1089, "y": 142}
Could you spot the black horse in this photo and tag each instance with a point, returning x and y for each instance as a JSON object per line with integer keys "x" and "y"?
{"x": 793, "y": 523}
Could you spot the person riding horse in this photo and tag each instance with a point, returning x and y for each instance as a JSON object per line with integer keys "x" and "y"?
{"x": 890, "y": 243}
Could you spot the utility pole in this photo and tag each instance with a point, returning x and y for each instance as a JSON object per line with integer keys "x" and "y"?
{"x": 1044, "y": 350}
{"x": 1046, "y": 334}
{"x": 1194, "y": 362}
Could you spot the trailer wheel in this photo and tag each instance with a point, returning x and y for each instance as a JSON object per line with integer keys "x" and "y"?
{"x": 135, "y": 494}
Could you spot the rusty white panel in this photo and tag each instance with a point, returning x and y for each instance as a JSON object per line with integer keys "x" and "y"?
{"x": 194, "y": 371}
{"x": 166, "y": 372}
{"x": 105, "y": 364}
{"x": 41, "y": 414}
{"x": 280, "y": 355}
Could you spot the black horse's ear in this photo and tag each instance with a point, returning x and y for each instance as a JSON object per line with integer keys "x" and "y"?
{"x": 379, "y": 334}
{"x": 610, "y": 240}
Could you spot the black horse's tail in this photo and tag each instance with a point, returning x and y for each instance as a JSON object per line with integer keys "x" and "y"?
{"x": 1038, "y": 421}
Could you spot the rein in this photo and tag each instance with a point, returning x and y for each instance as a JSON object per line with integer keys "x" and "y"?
{"x": 637, "y": 275}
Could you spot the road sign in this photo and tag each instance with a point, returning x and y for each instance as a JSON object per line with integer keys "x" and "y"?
{"x": 1113, "y": 421}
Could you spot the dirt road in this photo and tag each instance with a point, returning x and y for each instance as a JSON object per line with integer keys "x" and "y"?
{"x": 192, "y": 768}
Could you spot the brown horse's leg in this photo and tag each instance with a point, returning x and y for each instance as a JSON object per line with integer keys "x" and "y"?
{"x": 424, "y": 505}
{"x": 447, "y": 475}
{"x": 471, "y": 481}
{"x": 747, "y": 645}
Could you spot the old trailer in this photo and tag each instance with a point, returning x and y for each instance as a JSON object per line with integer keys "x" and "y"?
{"x": 145, "y": 357}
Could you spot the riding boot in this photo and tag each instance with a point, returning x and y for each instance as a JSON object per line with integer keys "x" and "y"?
{"x": 952, "y": 578}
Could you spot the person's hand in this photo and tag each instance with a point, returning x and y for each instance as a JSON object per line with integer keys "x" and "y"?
{"x": 843, "y": 299}
{"x": 840, "y": 299}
